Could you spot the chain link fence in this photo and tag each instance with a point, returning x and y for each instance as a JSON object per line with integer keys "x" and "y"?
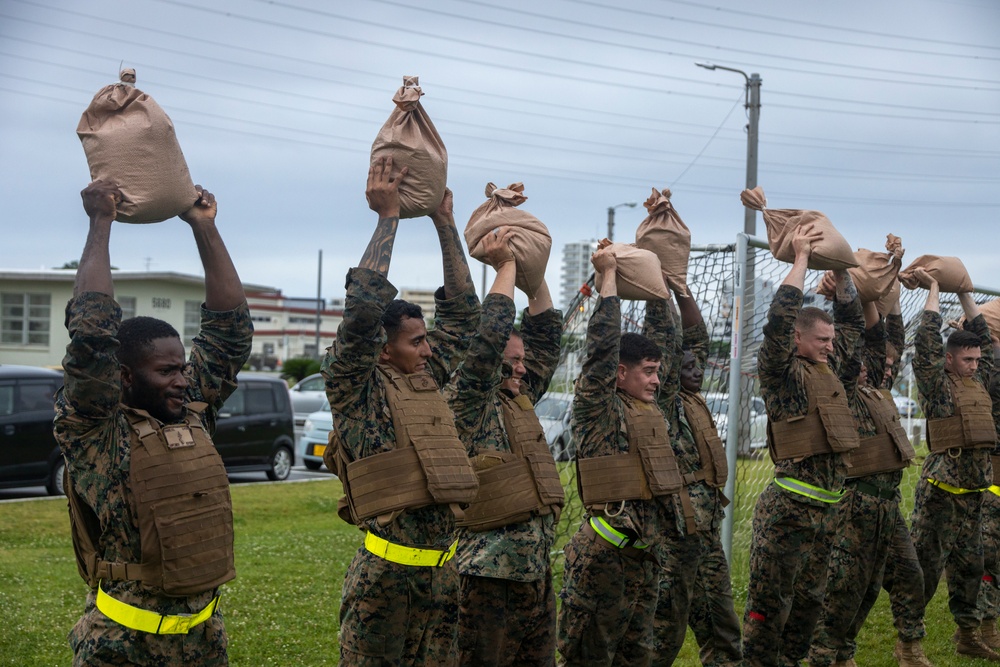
{"x": 716, "y": 276}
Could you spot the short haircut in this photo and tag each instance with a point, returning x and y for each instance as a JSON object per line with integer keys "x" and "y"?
{"x": 636, "y": 348}
{"x": 891, "y": 352}
{"x": 136, "y": 336}
{"x": 514, "y": 333}
{"x": 963, "y": 339}
{"x": 809, "y": 316}
{"x": 393, "y": 316}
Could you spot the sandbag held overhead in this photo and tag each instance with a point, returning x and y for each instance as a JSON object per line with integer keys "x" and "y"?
{"x": 130, "y": 141}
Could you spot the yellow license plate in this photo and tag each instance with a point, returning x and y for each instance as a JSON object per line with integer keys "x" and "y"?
{"x": 318, "y": 450}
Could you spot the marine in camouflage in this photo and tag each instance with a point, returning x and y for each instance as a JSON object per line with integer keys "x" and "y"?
{"x": 793, "y": 535}
{"x": 507, "y": 611}
{"x": 94, "y": 435}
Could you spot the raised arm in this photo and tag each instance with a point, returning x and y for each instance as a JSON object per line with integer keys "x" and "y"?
{"x": 94, "y": 272}
{"x": 457, "y": 278}
{"x": 223, "y": 289}
{"x": 541, "y": 330}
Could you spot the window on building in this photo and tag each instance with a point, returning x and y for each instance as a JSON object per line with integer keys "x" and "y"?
{"x": 192, "y": 320}
{"x": 128, "y": 306}
{"x": 25, "y": 318}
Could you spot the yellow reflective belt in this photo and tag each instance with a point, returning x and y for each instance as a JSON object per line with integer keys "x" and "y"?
{"x": 808, "y": 490}
{"x": 994, "y": 489}
{"x": 397, "y": 553}
{"x": 149, "y": 621}
{"x": 957, "y": 490}
{"x": 615, "y": 537}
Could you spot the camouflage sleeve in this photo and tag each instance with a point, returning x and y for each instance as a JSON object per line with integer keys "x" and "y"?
{"x": 91, "y": 392}
{"x": 455, "y": 323}
{"x": 660, "y": 326}
{"x": 897, "y": 337}
{"x": 928, "y": 367}
{"x": 595, "y": 388}
{"x": 474, "y": 384}
{"x": 979, "y": 327}
{"x": 349, "y": 365}
{"x": 777, "y": 348}
{"x": 218, "y": 353}
{"x": 873, "y": 351}
{"x": 849, "y": 323}
{"x": 542, "y": 334}
{"x": 696, "y": 341}
{"x": 995, "y": 395}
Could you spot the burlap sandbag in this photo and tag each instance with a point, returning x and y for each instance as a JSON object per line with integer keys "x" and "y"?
{"x": 665, "y": 234}
{"x": 531, "y": 243}
{"x": 991, "y": 311}
{"x": 949, "y": 272}
{"x": 831, "y": 252}
{"x": 130, "y": 141}
{"x": 411, "y": 140}
{"x": 875, "y": 274}
{"x": 638, "y": 272}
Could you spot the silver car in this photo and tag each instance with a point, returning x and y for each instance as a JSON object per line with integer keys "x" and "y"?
{"x": 554, "y": 412}
{"x": 307, "y": 395}
{"x": 315, "y": 436}
{"x": 718, "y": 405}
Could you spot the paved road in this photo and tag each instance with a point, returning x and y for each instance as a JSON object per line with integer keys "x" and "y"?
{"x": 299, "y": 474}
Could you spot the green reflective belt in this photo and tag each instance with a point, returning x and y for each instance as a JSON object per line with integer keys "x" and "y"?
{"x": 957, "y": 490}
{"x": 615, "y": 537}
{"x": 808, "y": 490}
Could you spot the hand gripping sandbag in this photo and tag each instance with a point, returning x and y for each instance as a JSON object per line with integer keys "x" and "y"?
{"x": 949, "y": 272}
{"x": 411, "y": 140}
{"x": 638, "y": 273}
{"x": 664, "y": 233}
{"x": 531, "y": 244}
{"x": 875, "y": 274}
{"x": 130, "y": 141}
{"x": 831, "y": 252}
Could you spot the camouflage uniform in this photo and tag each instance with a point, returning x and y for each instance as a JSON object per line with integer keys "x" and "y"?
{"x": 947, "y": 527}
{"x": 792, "y": 534}
{"x": 866, "y": 521}
{"x": 988, "y": 604}
{"x": 608, "y": 598}
{"x": 692, "y": 566}
{"x": 902, "y": 577}
{"x": 507, "y": 614}
{"x": 393, "y": 612}
{"x": 94, "y": 435}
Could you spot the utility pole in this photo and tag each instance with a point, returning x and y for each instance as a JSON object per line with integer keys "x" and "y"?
{"x": 611, "y": 217}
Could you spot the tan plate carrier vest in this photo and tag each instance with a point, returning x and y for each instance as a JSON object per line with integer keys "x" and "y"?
{"x": 181, "y": 494}
{"x": 826, "y": 428}
{"x": 995, "y": 460}
{"x": 888, "y": 449}
{"x": 649, "y": 469}
{"x": 972, "y": 424}
{"x": 429, "y": 465}
{"x": 711, "y": 450}
{"x": 521, "y": 483}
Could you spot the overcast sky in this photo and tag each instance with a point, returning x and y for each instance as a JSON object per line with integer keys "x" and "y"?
{"x": 884, "y": 115}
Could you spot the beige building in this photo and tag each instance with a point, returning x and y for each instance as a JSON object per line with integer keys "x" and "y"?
{"x": 32, "y": 307}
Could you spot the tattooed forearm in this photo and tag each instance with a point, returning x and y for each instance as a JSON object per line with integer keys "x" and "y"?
{"x": 846, "y": 291}
{"x": 457, "y": 278}
{"x": 379, "y": 251}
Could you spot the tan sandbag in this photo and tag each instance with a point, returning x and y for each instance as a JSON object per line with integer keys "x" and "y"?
{"x": 411, "y": 140}
{"x": 949, "y": 272}
{"x": 875, "y": 274}
{"x": 991, "y": 311}
{"x": 639, "y": 275}
{"x": 885, "y": 304}
{"x": 665, "y": 234}
{"x": 831, "y": 252}
{"x": 531, "y": 244}
{"x": 130, "y": 141}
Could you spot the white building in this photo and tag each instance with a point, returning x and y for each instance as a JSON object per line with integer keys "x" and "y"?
{"x": 576, "y": 269}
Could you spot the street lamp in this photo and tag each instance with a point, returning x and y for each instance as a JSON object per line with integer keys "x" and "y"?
{"x": 752, "y": 104}
{"x": 611, "y": 217}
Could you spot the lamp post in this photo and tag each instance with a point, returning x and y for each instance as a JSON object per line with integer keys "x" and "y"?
{"x": 611, "y": 217}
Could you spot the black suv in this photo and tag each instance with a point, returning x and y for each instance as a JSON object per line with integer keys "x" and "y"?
{"x": 255, "y": 429}
{"x": 29, "y": 455}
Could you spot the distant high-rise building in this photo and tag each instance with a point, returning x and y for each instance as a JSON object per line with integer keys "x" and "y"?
{"x": 576, "y": 268}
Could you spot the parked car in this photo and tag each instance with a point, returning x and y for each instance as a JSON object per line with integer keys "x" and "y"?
{"x": 906, "y": 406}
{"x": 718, "y": 405}
{"x": 315, "y": 436}
{"x": 29, "y": 455}
{"x": 255, "y": 430}
{"x": 555, "y": 411}
{"x": 307, "y": 395}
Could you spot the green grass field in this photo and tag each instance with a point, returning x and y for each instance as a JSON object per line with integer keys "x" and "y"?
{"x": 291, "y": 555}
